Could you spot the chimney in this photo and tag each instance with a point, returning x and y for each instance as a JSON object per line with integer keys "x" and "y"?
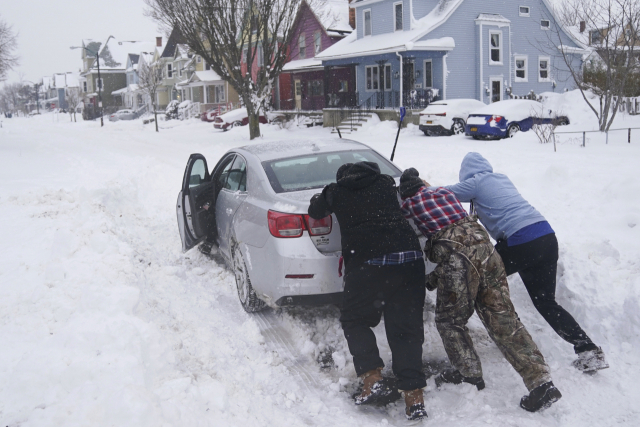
{"x": 583, "y": 26}
{"x": 352, "y": 17}
{"x": 159, "y": 41}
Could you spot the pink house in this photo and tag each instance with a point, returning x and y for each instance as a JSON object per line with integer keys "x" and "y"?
{"x": 304, "y": 83}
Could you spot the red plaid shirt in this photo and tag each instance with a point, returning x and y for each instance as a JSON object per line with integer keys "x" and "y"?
{"x": 433, "y": 209}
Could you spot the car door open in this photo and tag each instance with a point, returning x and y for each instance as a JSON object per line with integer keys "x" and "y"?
{"x": 194, "y": 219}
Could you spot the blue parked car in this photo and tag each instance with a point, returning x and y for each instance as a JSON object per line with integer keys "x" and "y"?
{"x": 504, "y": 119}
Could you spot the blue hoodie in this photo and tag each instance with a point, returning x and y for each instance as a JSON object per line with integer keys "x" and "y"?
{"x": 502, "y": 210}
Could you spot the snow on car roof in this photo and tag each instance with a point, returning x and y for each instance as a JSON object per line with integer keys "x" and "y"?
{"x": 513, "y": 109}
{"x": 279, "y": 149}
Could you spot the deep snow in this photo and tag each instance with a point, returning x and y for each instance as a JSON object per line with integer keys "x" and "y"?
{"x": 104, "y": 321}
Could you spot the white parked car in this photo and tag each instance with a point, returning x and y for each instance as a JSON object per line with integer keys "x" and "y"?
{"x": 122, "y": 115}
{"x": 447, "y": 117}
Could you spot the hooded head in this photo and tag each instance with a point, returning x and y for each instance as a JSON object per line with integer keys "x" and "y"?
{"x": 410, "y": 183}
{"x": 357, "y": 175}
{"x": 472, "y": 164}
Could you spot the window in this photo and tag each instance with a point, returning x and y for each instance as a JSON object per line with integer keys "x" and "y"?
{"x": 198, "y": 59}
{"x": 367, "y": 22}
{"x": 387, "y": 77}
{"x": 207, "y": 66}
{"x": 84, "y": 87}
{"x": 372, "y": 77}
{"x": 545, "y": 24}
{"x": 317, "y": 42}
{"x": 524, "y": 11}
{"x": 543, "y": 69}
{"x": 428, "y": 73}
{"x": 315, "y": 88}
{"x": 521, "y": 68}
{"x": 344, "y": 86}
{"x": 397, "y": 13}
{"x": 302, "y": 47}
{"x": 595, "y": 36}
{"x": 100, "y": 84}
{"x": 237, "y": 179}
{"x": 495, "y": 47}
{"x": 244, "y": 55}
{"x": 219, "y": 93}
{"x": 198, "y": 173}
{"x": 260, "y": 57}
{"x": 180, "y": 69}
{"x": 169, "y": 71}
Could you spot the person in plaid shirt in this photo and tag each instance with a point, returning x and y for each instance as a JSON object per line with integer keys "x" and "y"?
{"x": 470, "y": 276}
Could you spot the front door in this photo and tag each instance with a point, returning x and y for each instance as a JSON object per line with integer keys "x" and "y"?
{"x": 233, "y": 191}
{"x": 194, "y": 219}
{"x": 408, "y": 77}
{"x": 298, "y": 94}
{"x": 496, "y": 90}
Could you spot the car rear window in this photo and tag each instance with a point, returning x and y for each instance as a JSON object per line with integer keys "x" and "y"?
{"x": 317, "y": 170}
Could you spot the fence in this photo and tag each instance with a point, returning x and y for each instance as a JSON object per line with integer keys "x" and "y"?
{"x": 585, "y": 132}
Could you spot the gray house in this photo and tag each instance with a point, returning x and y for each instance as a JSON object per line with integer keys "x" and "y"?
{"x": 408, "y": 52}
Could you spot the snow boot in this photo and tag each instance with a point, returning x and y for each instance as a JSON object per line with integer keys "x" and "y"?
{"x": 590, "y": 361}
{"x": 540, "y": 397}
{"x": 376, "y": 390}
{"x": 453, "y": 376}
{"x": 414, "y": 399}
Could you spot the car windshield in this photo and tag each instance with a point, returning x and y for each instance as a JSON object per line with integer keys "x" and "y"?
{"x": 317, "y": 170}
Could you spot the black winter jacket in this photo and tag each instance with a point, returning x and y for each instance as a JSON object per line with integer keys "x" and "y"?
{"x": 366, "y": 205}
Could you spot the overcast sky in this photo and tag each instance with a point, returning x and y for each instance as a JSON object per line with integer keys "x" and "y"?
{"x": 46, "y": 29}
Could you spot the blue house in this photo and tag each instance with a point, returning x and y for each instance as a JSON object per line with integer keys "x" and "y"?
{"x": 408, "y": 52}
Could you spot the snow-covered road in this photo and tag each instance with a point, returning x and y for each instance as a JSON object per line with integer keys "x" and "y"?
{"x": 104, "y": 321}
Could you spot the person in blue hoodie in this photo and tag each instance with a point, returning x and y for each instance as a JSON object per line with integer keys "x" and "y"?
{"x": 528, "y": 246}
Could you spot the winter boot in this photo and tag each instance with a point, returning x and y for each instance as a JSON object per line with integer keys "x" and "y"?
{"x": 376, "y": 390}
{"x": 453, "y": 376}
{"x": 540, "y": 397}
{"x": 414, "y": 400}
{"x": 590, "y": 361}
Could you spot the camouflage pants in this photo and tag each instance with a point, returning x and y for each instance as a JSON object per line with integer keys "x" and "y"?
{"x": 470, "y": 275}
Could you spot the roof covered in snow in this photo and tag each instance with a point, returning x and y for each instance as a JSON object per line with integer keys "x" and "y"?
{"x": 334, "y": 16}
{"x": 114, "y": 53}
{"x": 303, "y": 64}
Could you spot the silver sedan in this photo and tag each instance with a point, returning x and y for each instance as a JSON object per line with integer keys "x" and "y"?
{"x": 122, "y": 115}
{"x": 253, "y": 206}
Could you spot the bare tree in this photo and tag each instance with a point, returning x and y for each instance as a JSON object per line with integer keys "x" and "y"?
{"x": 8, "y": 43}
{"x": 611, "y": 69}
{"x": 74, "y": 99}
{"x": 149, "y": 81}
{"x": 224, "y": 32}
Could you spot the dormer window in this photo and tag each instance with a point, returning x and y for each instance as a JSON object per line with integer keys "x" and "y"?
{"x": 596, "y": 36}
{"x": 366, "y": 17}
{"x": 397, "y": 12}
{"x": 545, "y": 24}
{"x": 524, "y": 11}
{"x": 302, "y": 47}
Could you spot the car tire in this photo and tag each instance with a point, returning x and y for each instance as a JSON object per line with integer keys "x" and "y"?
{"x": 476, "y": 137}
{"x": 512, "y": 130}
{"x": 236, "y": 124}
{"x": 563, "y": 122}
{"x": 246, "y": 294}
{"x": 426, "y": 133}
{"x": 458, "y": 127}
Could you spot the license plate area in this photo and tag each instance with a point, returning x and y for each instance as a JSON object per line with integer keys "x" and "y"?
{"x": 474, "y": 129}
{"x": 429, "y": 122}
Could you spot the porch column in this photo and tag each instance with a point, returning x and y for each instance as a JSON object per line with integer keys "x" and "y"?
{"x": 325, "y": 86}
{"x": 205, "y": 95}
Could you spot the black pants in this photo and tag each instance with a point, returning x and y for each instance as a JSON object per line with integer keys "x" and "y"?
{"x": 537, "y": 263}
{"x": 398, "y": 292}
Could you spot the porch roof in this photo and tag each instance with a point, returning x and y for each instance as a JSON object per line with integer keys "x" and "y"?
{"x": 128, "y": 88}
{"x": 308, "y": 64}
{"x": 201, "y": 78}
{"x": 400, "y": 41}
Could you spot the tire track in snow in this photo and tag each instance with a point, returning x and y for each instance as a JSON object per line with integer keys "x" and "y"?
{"x": 279, "y": 341}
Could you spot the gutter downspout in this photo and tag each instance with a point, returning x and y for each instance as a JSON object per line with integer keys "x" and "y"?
{"x": 481, "y": 65}
{"x": 445, "y": 72}
{"x": 400, "y": 59}
{"x": 511, "y": 62}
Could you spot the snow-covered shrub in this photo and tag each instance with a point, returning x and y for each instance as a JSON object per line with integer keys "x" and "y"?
{"x": 183, "y": 109}
{"x": 171, "y": 113}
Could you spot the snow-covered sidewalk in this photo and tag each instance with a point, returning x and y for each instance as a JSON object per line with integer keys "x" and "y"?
{"x": 104, "y": 321}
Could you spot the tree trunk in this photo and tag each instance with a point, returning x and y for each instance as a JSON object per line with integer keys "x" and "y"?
{"x": 155, "y": 118}
{"x": 254, "y": 123}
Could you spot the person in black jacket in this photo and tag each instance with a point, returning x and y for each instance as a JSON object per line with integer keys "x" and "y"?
{"x": 384, "y": 273}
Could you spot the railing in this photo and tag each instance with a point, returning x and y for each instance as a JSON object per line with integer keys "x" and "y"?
{"x": 585, "y": 132}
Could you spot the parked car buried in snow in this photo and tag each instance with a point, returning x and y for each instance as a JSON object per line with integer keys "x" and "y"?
{"x": 122, "y": 115}
{"x": 447, "y": 117}
{"x": 253, "y": 205}
{"x": 235, "y": 118}
{"x": 504, "y": 119}
{"x": 211, "y": 114}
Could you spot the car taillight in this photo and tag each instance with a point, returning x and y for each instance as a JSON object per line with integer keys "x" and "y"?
{"x": 318, "y": 227}
{"x": 442, "y": 114}
{"x": 496, "y": 119}
{"x": 285, "y": 225}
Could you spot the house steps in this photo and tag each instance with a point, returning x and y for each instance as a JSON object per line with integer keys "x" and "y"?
{"x": 352, "y": 123}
